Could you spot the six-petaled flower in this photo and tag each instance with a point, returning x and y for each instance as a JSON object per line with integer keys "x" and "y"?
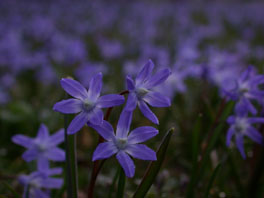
{"x": 124, "y": 143}
{"x": 42, "y": 148}
{"x": 240, "y": 126}
{"x": 39, "y": 183}
{"x": 141, "y": 91}
{"x": 87, "y": 103}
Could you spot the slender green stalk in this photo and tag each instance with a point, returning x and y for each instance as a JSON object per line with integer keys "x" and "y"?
{"x": 121, "y": 184}
{"x": 68, "y": 175}
{"x": 27, "y": 191}
{"x": 211, "y": 181}
{"x": 213, "y": 136}
{"x": 112, "y": 187}
{"x": 154, "y": 167}
{"x": 73, "y": 161}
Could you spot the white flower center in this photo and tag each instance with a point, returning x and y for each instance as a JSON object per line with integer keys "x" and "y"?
{"x": 41, "y": 147}
{"x": 241, "y": 125}
{"x": 141, "y": 92}
{"x": 244, "y": 88}
{"x": 121, "y": 143}
{"x": 88, "y": 105}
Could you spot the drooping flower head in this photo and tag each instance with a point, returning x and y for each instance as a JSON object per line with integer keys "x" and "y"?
{"x": 141, "y": 91}
{"x": 42, "y": 148}
{"x": 240, "y": 126}
{"x": 247, "y": 88}
{"x": 87, "y": 103}
{"x": 123, "y": 143}
{"x": 40, "y": 183}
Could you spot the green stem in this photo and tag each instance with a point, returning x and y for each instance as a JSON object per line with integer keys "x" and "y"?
{"x": 68, "y": 175}
{"x": 27, "y": 191}
{"x": 121, "y": 184}
{"x": 74, "y": 169}
{"x": 112, "y": 187}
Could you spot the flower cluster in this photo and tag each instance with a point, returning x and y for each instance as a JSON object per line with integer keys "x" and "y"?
{"x": 122, "y": 143}
{"x": 42, "y": 148}
{"x": 246, "y": 90}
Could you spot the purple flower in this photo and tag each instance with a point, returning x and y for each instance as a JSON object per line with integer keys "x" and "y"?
{"x": 124, "y": 143}
{"x": 87, "y": 103}
{"x": 43, "y": 147}
{"x": 241, "y": 126}
{"x": 141, "y": 91}
{"x": 247, "y": 88}
{"x": 39, "y": 180}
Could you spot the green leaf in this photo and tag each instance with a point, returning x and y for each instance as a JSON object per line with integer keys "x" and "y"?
{"x": 216, "y": 133}
{"x": 154, "y": 167}
{"x": 112, "y": 187}
{"x": 15, "y": 194}
{"x": 121, "y": 184}
{"x": 211, "y": 181}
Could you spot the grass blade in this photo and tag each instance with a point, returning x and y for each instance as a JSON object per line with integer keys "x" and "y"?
{"x": 121, "y": 184}
{"x": 15, "y": 194}
{"x": 154, "y": 167}
{"x": 211, "y": 181}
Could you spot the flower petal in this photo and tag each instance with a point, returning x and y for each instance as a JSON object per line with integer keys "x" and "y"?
{"x": 57, "y": 138}
{"x": 132, "y": 101}
{"x": 96, "y": 116}
{"x": 104, "y": 150}
{"x": 55, "y": 154}
{"x": 30, "y": 155}
{"x": 145, "y": 72}
{"x": 147, "y": 112}
{"x": 253, "y": 134}
{"x": 158, "y": 78}
{"x": 156, "y": 99}
{"x": 105, "y": 130}
{"x": 229, "y": 135}
{"x": 130, "y": 83}
{"x": 51, "y": 183}
{"x": 127, "y": 163}
{"x": 68, "y": 106}
{"x": 141, "y": 134}
{"x": 54, "y": 171}
{"x": 43, "y": 132}
{"x": 43, "y": 164}
{"x": 141, "y": 151}
{"x": 123, "y": 124}
{"x": 22, "y": 140}
{"x": 74, "y": 88}
{"x": 255, "y": 120}
{"x": 240, "y": 145}
{"x": 77, "y": 123}
{"x": 110, "y": 100}
{"x": 95, "y": 87}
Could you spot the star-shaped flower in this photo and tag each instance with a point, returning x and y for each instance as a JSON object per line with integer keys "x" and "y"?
{"x": 247, "y": 88}
{"x": 241, "y": 126}
{"x": 43, "y": 147}
{"x": 141, "y": 91}
{"x": 39, "y": 180}
{"x": 87, "y": 103}
{"x": 124, "y": 143}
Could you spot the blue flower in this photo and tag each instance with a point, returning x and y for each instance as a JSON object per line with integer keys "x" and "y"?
{"x": 87, "y": 103}
{"x": 124, "y": 143}
{"x": 240, "y": 126}
{"x": 247, "y": 88}
{"x": 40, "y": 183}
{"x": 141, "y": 91}
{"x": 42, "y": 148}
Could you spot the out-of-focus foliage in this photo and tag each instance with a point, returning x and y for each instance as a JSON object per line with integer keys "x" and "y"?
{"x": 206, "y": 45}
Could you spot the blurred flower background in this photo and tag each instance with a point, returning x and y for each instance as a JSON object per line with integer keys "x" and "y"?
{"x": 207, "y": 46}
